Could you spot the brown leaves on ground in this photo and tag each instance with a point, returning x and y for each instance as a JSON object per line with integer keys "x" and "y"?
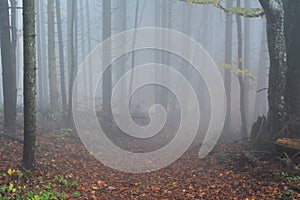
{"x": 221, "y": 175}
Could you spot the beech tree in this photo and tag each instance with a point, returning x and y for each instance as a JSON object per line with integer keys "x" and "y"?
{"x": 29, "y": 84}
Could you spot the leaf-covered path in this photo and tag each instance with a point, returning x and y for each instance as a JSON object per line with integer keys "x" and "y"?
{"x": 64, "y": 166}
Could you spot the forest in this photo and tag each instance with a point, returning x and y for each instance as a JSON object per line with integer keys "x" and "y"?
{"x": 143, "y": 99}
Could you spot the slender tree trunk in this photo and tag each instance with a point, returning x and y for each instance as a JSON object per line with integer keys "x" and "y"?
{"x": 107, "y": 78}
{"x": 83, "y": 48}
{"x": 14, "y": 46}
{"x": 246, "y": 61}
{"x": 133, "y": 44}
{"x": 122, "y": 26}
{"x": 44, "y": 55}
{"x": 61, "y": 58}
{"x": 52, "y": 58}
{"x": 243, "y": 105}
{"x": 157, "y": 54}
{"x": 71, "y": 55}
{"x": 89, "y": 45}
{"x": 188, "y": 31}
{"x": 39, "y": 56}
{"x": 228, "y": 60}
{"x": 29, "y": 84}
{"x": 8, "y": 69}
{"x": 82, "y": 30}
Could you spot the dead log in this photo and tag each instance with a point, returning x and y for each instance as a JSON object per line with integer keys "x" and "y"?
{"x": 288, "y": 145}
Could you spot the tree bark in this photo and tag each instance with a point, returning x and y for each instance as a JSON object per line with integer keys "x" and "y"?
{"x": 39, "y": 56}
{"x": 228, "y": 60}
{"x": 246, "y": 59}
{"x": 61, "y": 58}
{"x": 8, "y": 68}
{"x": 243, "y": 90}
{"x": 52, "y": 58}
{"x": 292, "y": 33}
{"x": 72, "y": 59}
{"x": 45, "y": 100}
{"x": 107, "y": 78}
{"x": 278, "y": 66}
{"x": 29, "y": 84}
{"x": 133, "y": 45}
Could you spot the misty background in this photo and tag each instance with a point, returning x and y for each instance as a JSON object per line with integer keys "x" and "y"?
{"x": 57, "y": 21}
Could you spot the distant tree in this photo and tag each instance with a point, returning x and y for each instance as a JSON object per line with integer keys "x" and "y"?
{"x": 8, "y": 67}
{"x": 44, "y": 69}
{"x": 61, "y": 58}
{"x": 89, "y": 41}
{"x": 133, "y": 45}
{"x": 243, "y": 89}
{"x": 107, "y": 78}
{"x": 29, "y": 84}
{"x": 39, "y": 55}
{"x": 246, "y": 61}
{"x": 52, "y": 58}
{"x": 283, "y": 32}
{"x": 72, "y": 58}
{"x": 228, "y": 60}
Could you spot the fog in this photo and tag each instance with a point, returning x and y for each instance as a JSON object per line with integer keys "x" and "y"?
{"x": 92, "y": 24}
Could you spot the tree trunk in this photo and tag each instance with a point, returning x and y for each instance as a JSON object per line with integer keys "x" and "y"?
{"x": 29, "y": 84}
{"x": 246, "y": 58}
{"x": 106, "y": 33}
{"x": 228, "y": 60}
{"x": 45, "y": 100}
{"x": 157, "y": 53}
{"x": 52, "y": 58}
{"x": 243, "y": 104}
{"x": 71, "y": 55}
{"x": 292, "y": 33}
{"x": 89, "y": 45}
{"x": 61, "y": 58}
{"x": 8, "y": 69}
{"x": 278, "y": 67}
{"x": 39, "y": 56}
{"x": 133, "y": 45}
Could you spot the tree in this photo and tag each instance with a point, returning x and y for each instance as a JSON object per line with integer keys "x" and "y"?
{"x": 44, "y": 54}
{"x": 243, "y": 89}
{"x": 246, "y": 60}
{"x": 106, "y": 33}
{"x": 89, "y": 45}
{"x": 29, "y": 84}
{"x": 278, "y": 66}
{"x": 39, "y": 55}
{"x": 52, "y": 58}
{"x": 133, "y": 45}
{"x": 8, "y": 68}
{"x": 283, "y": 43}
{"x": 72, "y": 59}
{"x": 292, "y": 32}
{"x": 228, "y": 60}
{"x": 61, "y": 58}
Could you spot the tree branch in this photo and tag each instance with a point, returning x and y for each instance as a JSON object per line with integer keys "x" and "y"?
{"x": 250, "y": 13}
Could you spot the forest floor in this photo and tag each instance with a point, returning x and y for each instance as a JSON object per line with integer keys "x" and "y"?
{"x": 66, "y": 170}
